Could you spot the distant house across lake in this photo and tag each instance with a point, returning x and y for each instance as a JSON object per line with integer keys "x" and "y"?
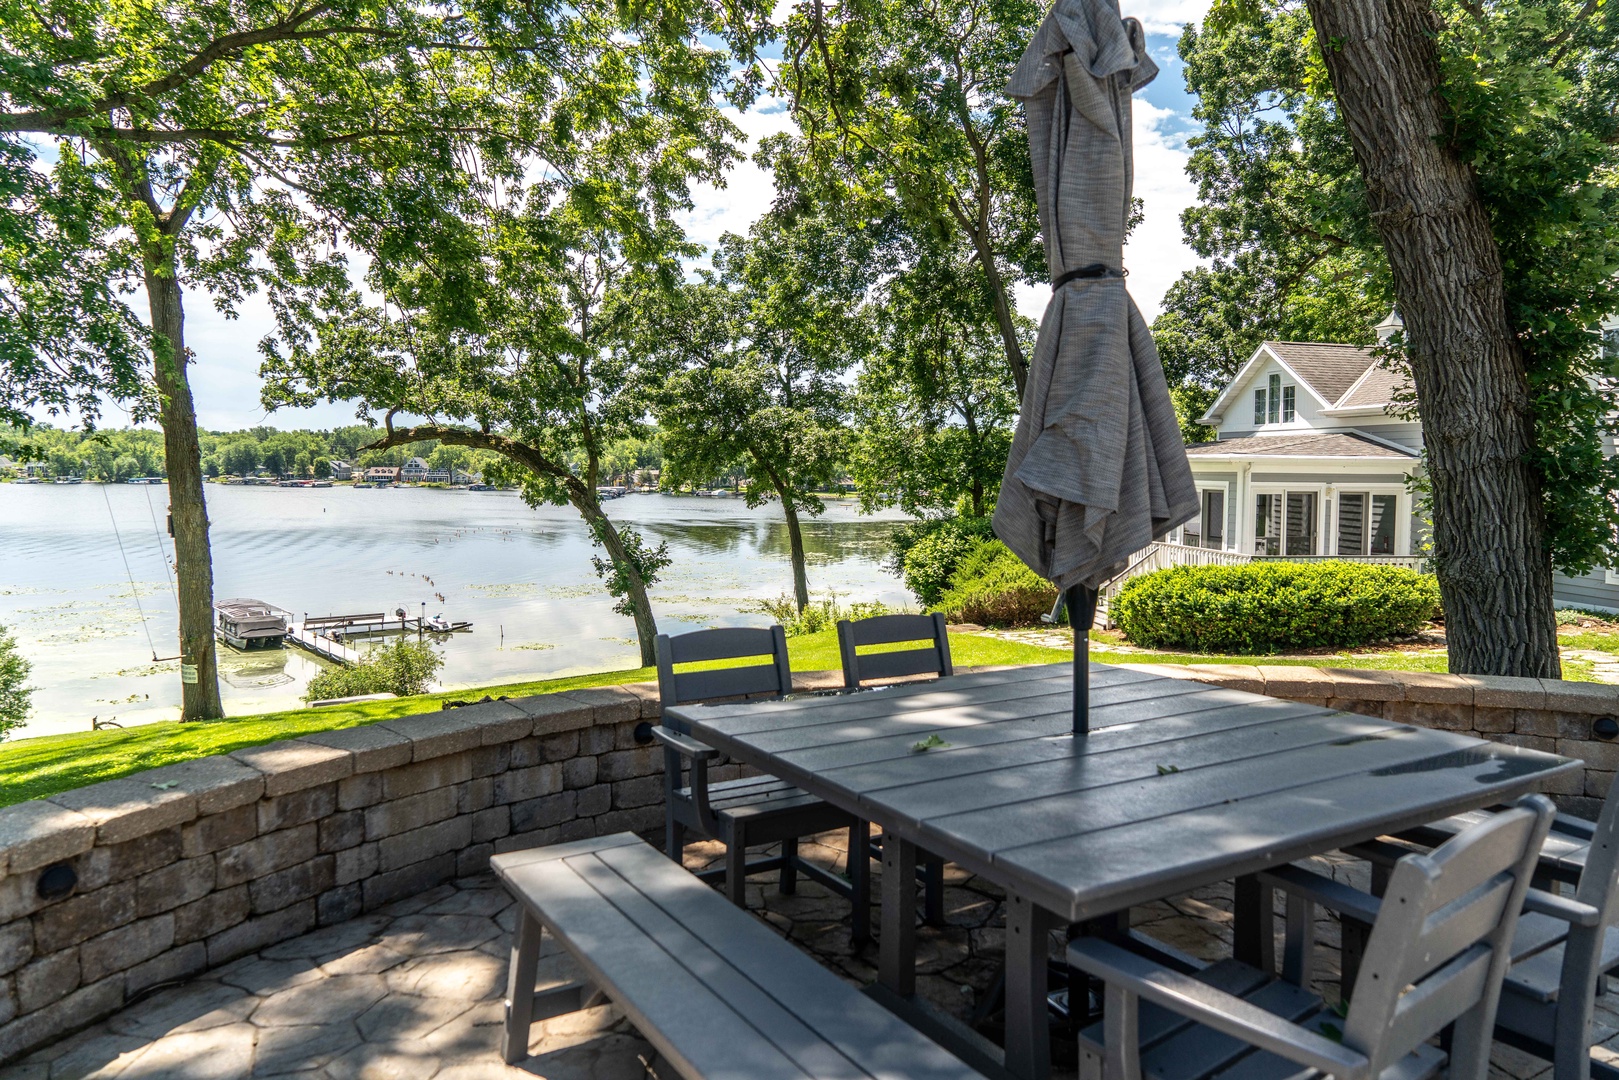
{"x": 382, "y": 474}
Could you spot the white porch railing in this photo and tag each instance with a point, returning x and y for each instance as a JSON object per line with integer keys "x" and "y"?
{"x": 1160, "y": 555}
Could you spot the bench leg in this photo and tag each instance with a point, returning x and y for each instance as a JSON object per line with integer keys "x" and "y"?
{"x": 520, "y": 978}
{"x": 736, "y": 868}
{"x": 789, "y": 866}
{"x": 860, "y": 882}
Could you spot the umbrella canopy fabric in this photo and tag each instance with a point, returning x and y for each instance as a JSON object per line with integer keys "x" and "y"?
{"x": 1097, "y": 468}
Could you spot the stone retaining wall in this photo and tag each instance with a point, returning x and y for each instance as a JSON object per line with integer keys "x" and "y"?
{"x": 168, "y": 872}
{"x": 1542, "y": 714}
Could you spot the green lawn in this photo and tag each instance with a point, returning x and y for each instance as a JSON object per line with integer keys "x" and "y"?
{"x": 31, "y": 768}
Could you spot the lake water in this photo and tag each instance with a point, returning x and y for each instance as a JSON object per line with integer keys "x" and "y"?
{"x": 522, "y": 576}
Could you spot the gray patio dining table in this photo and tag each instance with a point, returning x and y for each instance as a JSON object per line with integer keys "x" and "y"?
{"x": 1178, "y": 785}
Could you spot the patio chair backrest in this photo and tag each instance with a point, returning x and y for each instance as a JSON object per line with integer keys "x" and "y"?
{"x": 1441, "y": 943}
{"x": 773, "y": 677}
{"x": 886, "y": 630}
{"x": 1599, "y": 878}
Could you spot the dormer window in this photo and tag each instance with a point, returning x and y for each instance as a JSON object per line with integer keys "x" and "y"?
{"x": 1274, "y": 403}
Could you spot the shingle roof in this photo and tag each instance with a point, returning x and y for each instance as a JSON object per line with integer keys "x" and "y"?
{"x": 1378, "y": 388}
{"x": 1330, "y": 369}
{"x": 1334, "y": 444}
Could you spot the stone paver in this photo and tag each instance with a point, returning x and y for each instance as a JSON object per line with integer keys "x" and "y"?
{"x": 414, "y": 990}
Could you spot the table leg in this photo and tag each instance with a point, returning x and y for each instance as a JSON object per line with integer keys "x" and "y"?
{"x": 1028, "y": 1031}
{"x": 896, "y": 962}
{"x": 1253, "y": 937}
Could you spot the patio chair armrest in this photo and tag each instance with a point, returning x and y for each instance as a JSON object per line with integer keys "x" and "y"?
{"x": 1577, "y": 827}
{"x": 685, "y": 745}
{"x": 1560, "y": 907}
{"x": 1212, "y": 1007}
{"x": 1330, "y": 894}
{"x": 700, "y": 754}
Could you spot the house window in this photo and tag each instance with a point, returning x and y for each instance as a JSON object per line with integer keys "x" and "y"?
{"x": 1366, "y": 523}
{"x": 1208, "y": 528}
{"x": 1274, "y": 403}
{"x": 1285, "y": 523}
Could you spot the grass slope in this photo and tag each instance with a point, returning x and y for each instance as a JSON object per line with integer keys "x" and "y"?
{"x": 32, "y": 768}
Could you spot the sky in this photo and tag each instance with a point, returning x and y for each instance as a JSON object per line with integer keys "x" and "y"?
{"x": 225, "y": 381}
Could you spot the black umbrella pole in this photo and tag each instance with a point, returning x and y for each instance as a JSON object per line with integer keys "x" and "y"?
{"x": 1081, "y": 603}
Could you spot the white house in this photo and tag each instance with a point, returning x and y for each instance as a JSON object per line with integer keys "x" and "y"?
{"x": 1310, "y": 459}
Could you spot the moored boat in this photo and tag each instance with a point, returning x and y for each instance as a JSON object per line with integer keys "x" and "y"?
{"x": 244, "y": 624}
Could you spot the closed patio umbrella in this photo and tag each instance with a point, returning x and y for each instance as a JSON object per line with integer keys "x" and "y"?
{"x": 1097, "y": 469}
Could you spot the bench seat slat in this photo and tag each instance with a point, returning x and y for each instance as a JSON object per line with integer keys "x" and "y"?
{"x": 689, "y": 1024}
{"x": 883, "y": 1044}
{"x": 719, "y": 993}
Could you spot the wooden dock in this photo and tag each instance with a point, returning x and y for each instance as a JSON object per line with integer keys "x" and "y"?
{"x": 313, "y": 641}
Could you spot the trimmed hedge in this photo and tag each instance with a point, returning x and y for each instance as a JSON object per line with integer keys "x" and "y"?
{"x": 992, "y": 587}
{"x": 1264, "y": 606}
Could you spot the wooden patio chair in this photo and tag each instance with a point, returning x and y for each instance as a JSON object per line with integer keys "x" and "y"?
{"x": 756, "y": 810}
{"x": 1564, "y": 948}
{"x": 1439, "y": 947}
{"x": 931, "y": 659}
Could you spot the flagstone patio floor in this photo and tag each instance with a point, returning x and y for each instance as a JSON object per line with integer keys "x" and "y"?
{"x": 413, "y": 991}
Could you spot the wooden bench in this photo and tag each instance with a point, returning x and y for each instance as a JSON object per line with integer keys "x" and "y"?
{"x": 713, "y": 989}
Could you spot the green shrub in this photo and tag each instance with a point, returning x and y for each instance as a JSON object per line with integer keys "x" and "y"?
{"x": 403, "y": 668}
{"x": 1265, "y": 606}
{"x": 992, "y": 587}
{"x": 820, "y": 615}
{"x": 924, "y": 554}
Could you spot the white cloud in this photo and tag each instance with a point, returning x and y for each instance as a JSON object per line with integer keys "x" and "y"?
{"x": 749, "y": 190}
{"x": 1165, "y": 16}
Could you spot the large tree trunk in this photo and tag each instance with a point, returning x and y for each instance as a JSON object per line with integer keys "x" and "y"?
{"x": 646, "y": 627}
{"x": 193, "y": 557}
{"x": 795, "y": 537}
{"x": 1472, "y": 390}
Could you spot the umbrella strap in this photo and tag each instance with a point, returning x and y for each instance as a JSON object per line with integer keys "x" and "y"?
{"x": 1094, "y": 270}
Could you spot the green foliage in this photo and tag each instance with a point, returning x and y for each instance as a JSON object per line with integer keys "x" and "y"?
{"x": 14, "y": 690}
{"x": 902, "y": 117}
{"x": 1533, "y": 98}
{"x": 818, "y": 617}
{"x": 933, "y": 406}
{"x": 1264, "y": 606}
{"x": 925, "y": 553}
{"x": 636, "y": 562}
{"x": 992, "y": 587}
{"x": 405, "y": 668}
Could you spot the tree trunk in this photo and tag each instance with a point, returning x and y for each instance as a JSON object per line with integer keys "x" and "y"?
{"x": 646, "y": 627}
{"x": 193, "y": 557}
{"x": 1472, "y": 389}
{"x": 1002, "y": 303}
{"x": 795, "y": 537}
{"x": 975, "y": 459}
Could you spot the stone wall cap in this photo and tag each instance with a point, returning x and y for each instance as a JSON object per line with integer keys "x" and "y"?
{"x": 1167, "y": 671}
{"x": 1286, "y": 680}
{"x": 1581, "y": 697}
{"x": 447, "y": 732}
{"x": 617, "y": 703}
{"x": 1435, "y": 687}
{"x": 374, "y": 747}
{"x": 651, "y": 701}
{"x": 129, "y": 807}
{"x": 1507, "y": 692}
{"x": 219, "y": 783}
{"x": 1245, "y": 677}
{"x": 37, "y": 833}
{"x": 296, "y": 764}
{"x": 1366, "y": 684}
